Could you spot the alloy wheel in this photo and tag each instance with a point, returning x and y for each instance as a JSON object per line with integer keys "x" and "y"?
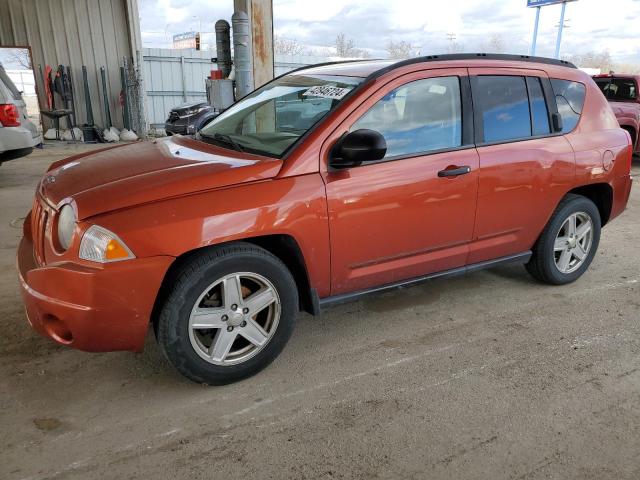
{"x": 234, "y": 318}
{"x": 573, "y": 242}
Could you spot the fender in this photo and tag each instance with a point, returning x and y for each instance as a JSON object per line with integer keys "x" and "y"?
{"x": 294, "y": 206}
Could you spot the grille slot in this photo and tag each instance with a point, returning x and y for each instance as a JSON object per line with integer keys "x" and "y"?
{"x": 39, "y": 219}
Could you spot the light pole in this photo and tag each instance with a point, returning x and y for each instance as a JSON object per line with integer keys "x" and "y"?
{"x": 560, "y": 27}
{"x": 535, "y": 32}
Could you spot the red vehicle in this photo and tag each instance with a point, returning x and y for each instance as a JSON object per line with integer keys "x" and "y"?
{"x": 328, "y": 183}
{"x": 622, "y": 93}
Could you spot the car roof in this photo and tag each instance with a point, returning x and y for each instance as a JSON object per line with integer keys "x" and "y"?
{"x": 368, "y": 68}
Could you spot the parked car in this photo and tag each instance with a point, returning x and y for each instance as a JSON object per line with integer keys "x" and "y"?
{"x": 423, "y": 168}
{"x": 622, "y": 93}
{"x": 18, "y": 134}
{"x": 189, "y": 118}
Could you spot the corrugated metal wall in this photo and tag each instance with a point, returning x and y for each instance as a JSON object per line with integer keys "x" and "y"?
{"x": 94, "y": 33}
{"x": 173, "y": 77}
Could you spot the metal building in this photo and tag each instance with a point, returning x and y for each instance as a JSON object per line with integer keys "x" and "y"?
{"x": 93, "y": 33}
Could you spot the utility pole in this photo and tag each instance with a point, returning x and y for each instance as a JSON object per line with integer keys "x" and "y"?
{"x": 452, "y": 38}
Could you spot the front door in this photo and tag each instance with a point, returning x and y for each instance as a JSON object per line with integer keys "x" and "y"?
{"x": 412, "y": 213}
{"x": 525, "y": 168}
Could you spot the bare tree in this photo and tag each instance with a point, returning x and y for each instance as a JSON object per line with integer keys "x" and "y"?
{"x": 18, "y": 57}
{"x": 399, "y": 49}
{"x": 455, "y": 47}
{"x": 288, "y": 46}
{"x": 601, "y": 60}
{"x": 345, "y": 47}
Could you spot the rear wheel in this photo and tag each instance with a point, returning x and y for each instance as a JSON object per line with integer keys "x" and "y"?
{"x": 230, "y": 313}
{"x": 568, "y": 243}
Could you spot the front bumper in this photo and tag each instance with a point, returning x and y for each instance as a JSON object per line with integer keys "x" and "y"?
{"x": 180, "y": 127}
{"x": 96, "y": 309}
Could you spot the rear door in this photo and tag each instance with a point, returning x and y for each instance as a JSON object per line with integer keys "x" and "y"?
{"x": 525, "y": 168}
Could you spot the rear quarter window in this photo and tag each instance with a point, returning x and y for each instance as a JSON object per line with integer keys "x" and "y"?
{"x": 570, "y": 100}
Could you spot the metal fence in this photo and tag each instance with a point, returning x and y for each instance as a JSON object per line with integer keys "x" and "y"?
{"x": 173, "y": 77}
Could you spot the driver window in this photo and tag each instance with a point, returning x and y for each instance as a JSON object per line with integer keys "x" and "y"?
{"x": 418, "y": 117}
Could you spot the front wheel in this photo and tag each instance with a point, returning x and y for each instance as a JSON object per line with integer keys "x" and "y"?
{"x": 568, "y": 243}
{"x": 230, "y": 313}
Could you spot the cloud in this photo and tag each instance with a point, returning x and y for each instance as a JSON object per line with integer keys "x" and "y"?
{"x": 593, "y": 24}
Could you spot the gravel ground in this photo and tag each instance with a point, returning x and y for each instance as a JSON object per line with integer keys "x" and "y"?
{"x": 490, "y": 375}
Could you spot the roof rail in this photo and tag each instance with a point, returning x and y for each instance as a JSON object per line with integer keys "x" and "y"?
{"x": 472, "y": 56}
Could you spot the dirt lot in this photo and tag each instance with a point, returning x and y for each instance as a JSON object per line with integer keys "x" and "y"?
{"x": 485, "y": 376}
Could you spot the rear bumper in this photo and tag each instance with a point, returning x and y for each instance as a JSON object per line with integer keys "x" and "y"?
{"x": 17, "y": 138}
{"x": 621, "y": 191}
{"x": 95, "y": 309}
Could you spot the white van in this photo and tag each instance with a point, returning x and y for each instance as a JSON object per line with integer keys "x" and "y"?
{"x": 18, "y": 134}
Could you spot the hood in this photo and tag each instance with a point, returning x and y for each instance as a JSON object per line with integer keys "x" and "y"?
{"x": 188, "y": 106}
{"x": 124, "y": 176}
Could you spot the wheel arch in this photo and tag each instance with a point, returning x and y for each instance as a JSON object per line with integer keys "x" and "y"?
{"x": 633, "y": 131}
{"x": 601, "y": 194}
{"x": 283, "y": 246}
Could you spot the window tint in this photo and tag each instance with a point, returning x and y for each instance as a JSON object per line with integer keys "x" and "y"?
{"x": 570, "y": 100}
{"x": 539, "y": 113}
{"x": 418, "y": 117}
{"x": 620, "y": 89}
{"x": 504, "y": 105}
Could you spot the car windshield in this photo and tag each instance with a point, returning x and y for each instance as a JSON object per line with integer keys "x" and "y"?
{"x": 271, "y": 119}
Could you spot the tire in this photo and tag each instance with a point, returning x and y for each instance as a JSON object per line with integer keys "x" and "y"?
{"x": 183, "y": 336}
{"x": 548, "y": 260}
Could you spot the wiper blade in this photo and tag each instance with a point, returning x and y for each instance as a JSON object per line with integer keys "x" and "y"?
{"x": 221, "y": 137}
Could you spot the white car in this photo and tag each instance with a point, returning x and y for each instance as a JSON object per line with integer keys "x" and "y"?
{"x": 18, "y": 134}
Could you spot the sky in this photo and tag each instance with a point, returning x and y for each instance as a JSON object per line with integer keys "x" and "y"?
{"x": 593, "y": 25}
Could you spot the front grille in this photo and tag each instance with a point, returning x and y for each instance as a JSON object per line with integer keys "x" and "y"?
{"x": 40, "y": 216}
{"x": 173, "y": 116}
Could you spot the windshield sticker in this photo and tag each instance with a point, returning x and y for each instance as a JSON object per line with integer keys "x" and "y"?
{"x": 326, "y": 91}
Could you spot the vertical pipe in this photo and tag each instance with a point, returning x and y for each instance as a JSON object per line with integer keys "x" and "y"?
{"x": 184, "y": 79}
{"x": 125, "y": 107}
{"x": 105, "y": 98}
{"x": 223, "y": 47}
{"x": 560, "y": 27}
{"x": 535, "y": 32}
{"x": 87, "y": 96}
{"x": 242, "y": 53}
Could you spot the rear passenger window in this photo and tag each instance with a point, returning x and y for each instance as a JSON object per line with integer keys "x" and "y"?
{"x": 570, "y": 100}
{"x": 539, "y": 113}
{"x": 504, "y": 105}
{"x": 418, "y": 117}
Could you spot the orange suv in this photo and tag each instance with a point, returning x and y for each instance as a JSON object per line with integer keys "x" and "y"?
{"x": 328, "y": 183}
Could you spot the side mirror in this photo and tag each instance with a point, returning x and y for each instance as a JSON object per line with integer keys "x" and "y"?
{"x": 556, "y": 119}
{"x": 356, "y": 147}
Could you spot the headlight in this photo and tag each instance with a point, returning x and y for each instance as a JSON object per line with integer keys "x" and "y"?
{"x": 100, "y": 245}
{"x": 66, "y": 226}
{"x": 191, "y": 111}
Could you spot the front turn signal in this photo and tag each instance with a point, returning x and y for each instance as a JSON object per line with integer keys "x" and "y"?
{"x": 101, "y": 245}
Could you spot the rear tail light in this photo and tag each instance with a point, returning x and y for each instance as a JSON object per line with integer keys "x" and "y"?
{"x": 9, "y": 115}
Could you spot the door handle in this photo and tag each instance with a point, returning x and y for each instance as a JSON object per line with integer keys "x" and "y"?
{"x": 454, "y": 172}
